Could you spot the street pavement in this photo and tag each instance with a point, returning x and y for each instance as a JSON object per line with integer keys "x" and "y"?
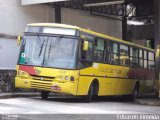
{"x": 72, "y": 108}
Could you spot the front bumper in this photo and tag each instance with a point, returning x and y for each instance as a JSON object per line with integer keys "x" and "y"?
{"x": 54, "y": 86}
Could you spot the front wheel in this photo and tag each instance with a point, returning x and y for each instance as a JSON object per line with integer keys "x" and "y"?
{"x": 44, "y": 94}
{"x": 88, "y": 97}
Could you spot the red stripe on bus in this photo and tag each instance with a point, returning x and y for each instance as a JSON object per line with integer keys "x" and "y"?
{"x": 29, "y": 69}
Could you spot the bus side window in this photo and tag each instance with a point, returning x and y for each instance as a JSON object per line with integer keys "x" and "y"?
{"x": 124, "y": 55}
{"x": 99, "y": 50}
{"x": 145, "y": 59}
{"x": 133, "y": 57}
{"x": 141, "y": 58}
{"x": 151, "y": 58}
{"x": 113, "y": 56}
{"x": 85, "y": 56}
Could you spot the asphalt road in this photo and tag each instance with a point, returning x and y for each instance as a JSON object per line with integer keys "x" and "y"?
{"x": 71, "y": 108}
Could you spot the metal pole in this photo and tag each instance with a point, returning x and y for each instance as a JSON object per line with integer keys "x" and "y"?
{"x": 124, "y": 28}
{"x": 124, "y": 23}
{"x": 57, "y": 14}
{"x": 157, "y": 41}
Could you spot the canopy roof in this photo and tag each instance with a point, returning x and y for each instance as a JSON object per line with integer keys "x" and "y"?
{"x": 29, "y": 2}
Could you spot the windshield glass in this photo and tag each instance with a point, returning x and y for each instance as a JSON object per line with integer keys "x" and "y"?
{"x": 58, "y": 52}
{"x": 32, "y": 50}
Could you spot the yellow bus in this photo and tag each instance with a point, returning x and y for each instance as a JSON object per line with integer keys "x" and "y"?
{"x": 68, "y": 59}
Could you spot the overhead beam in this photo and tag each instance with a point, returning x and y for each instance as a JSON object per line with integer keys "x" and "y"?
{"x": 104, "y": 3}
{"x": 29, "y": 2}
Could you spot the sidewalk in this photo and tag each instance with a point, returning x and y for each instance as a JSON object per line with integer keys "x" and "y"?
{"x": 143, "y": 100}
{"x": 17, "y": 94}
{"x": 148, "y": 99}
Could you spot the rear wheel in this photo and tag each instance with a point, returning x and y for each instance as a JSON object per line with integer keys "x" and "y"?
{"x": 134, "y": 94}
{"x": 88, "y": 97}
{"x": 44, "y": 94}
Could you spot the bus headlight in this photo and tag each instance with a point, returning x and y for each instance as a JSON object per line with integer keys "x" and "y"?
{"x": 67, "y": 78}
{"x": 71, "y": 78}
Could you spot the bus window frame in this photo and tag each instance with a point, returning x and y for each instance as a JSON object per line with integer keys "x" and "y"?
{"x": 104, "y": 51}
{"x": 109, "y": 52}
{"x": 124, "y": 55}
{"x": 141, "y": 58}
{"x": 86, "y": 63}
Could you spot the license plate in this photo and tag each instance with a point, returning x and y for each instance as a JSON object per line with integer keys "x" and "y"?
{"x": 56, "y": 88}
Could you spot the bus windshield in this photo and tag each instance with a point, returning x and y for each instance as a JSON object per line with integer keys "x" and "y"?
{"x": 45, "y": 51}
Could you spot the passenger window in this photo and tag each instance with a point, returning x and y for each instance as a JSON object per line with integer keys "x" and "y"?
{"x": 150, "y": 56}
{"x": 113, "y": 55}
{"x": 145, "y": 59}
{"x": 124, "y": 55}
{"x": 133, "y": 57}
{"x": 151, "y": 60}
{"x": 85, "y": 55}
{"x": 99, "y": 50}
{"x": 141, "y": 58}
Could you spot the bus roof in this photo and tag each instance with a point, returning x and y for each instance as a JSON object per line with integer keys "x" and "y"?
{"x": 88, "y": 31}
{"x": 54, "y": 25}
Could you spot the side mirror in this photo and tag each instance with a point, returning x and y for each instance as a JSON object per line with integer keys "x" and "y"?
{"x": 19, "y": 38}
{"x": 85, "y": 45}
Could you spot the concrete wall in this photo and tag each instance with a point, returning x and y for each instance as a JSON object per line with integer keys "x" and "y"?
{"x": 99, "y": 24}
{"x": 8, "y": 53}
{"x": 14, "y": 17}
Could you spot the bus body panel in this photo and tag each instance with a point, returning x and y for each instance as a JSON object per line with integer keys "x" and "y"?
{"x": 48, "y": 79}
{"x": 115, "y": 80}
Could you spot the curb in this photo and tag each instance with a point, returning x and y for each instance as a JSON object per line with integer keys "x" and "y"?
{"x": 13, "y": 95}
{"x": 151, "y": 102}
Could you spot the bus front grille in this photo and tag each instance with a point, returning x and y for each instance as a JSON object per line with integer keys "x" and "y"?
{"x": 43, "y": 78}
{"x": 37, "y": 84}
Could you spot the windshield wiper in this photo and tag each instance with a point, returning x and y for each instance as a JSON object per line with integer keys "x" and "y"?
{"x": 49, "y": 49}
{"x": 41, "y": 48}
{"x": 38, "y": 38}
{"x": 58, "y": 39}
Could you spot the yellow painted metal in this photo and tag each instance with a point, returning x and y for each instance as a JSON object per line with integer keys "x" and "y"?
{"x": 47, "y": 78}
{"x": 113, "y": 80}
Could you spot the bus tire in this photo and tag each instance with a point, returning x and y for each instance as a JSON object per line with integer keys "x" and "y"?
{"x": 44, "y": 94}
{"x": 134, "y": 94}
{"x": 88, "y": 97}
